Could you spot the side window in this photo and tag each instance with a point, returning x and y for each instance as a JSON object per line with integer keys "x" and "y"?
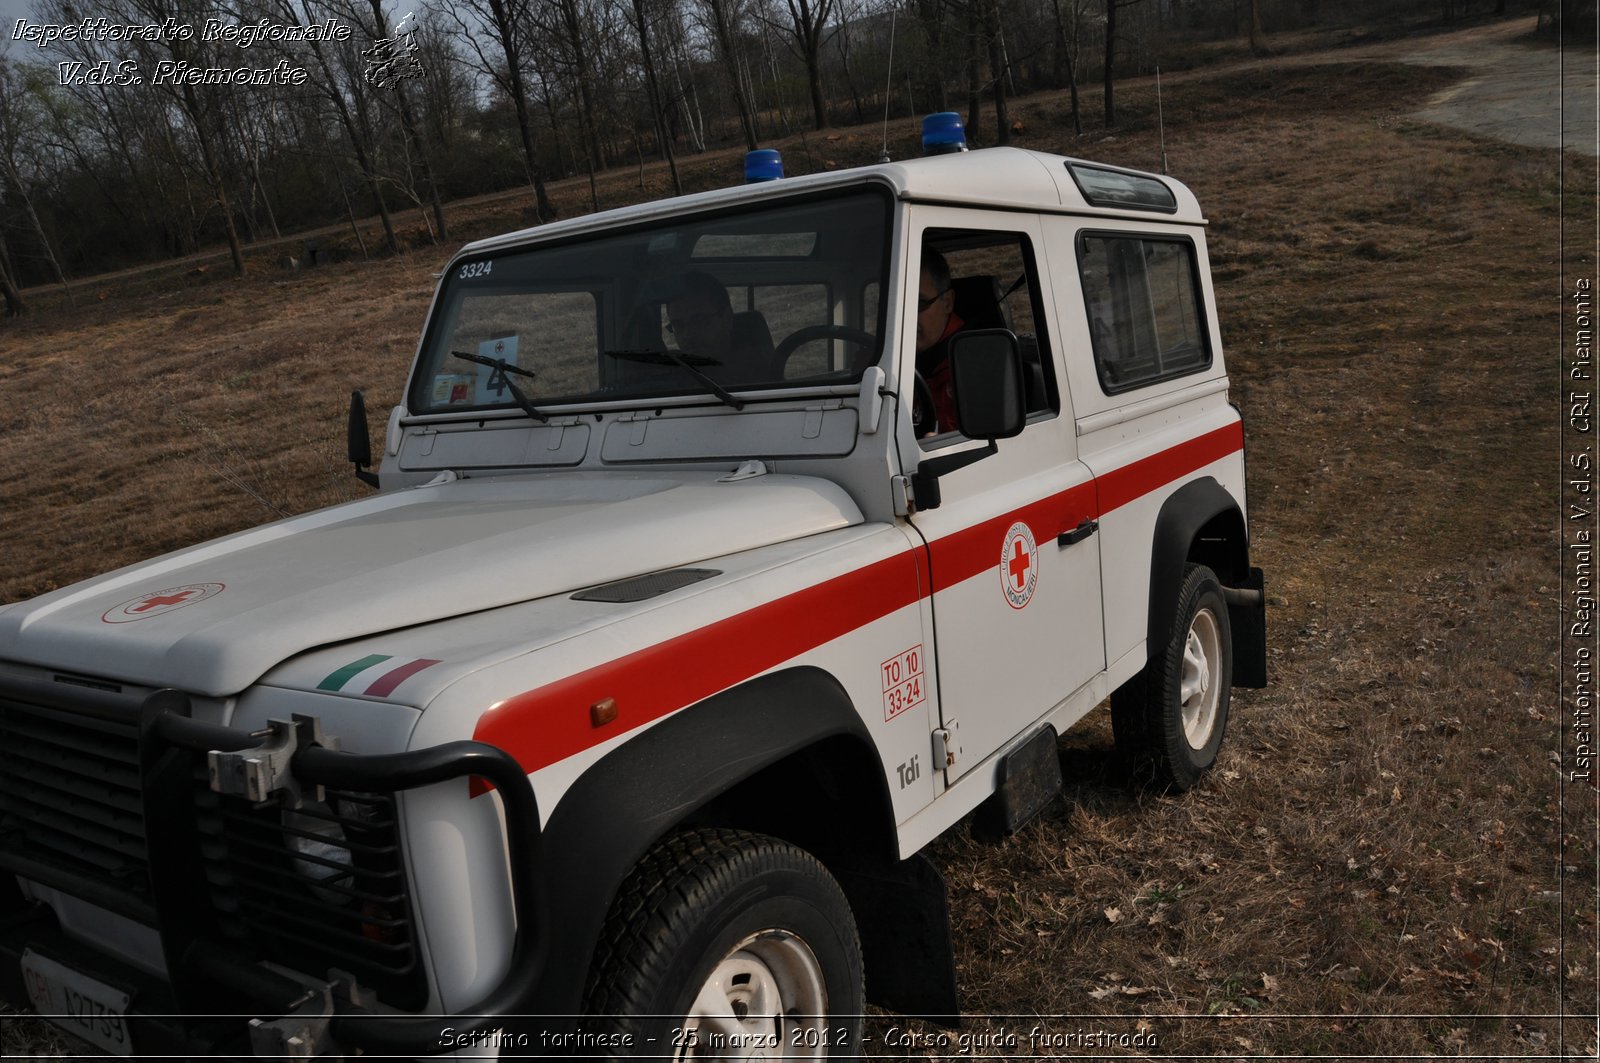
{"x": 1144, "y": 309}
{"x": 979, "y": 279}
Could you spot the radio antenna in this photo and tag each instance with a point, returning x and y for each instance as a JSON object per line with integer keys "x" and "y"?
{"x": 1160, "y": 123}
{"x": 888, "y": 88}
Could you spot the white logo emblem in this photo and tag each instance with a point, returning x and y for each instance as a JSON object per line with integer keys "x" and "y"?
{"x": 157, "y": 602}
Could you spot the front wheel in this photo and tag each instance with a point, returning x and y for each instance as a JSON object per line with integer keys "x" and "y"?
{"x": 724, "y": 944}
{"x": 1170, "y": 718}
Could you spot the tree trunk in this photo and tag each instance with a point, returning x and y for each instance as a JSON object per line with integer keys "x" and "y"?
{"x": 1111, "y": 55}
{"x": 350, "y": 213}
{"x": 506, "y": 34}
{"x": 38, "y": 227}
{"x": 819, "y": 102}
{"x": 408, "y": 127}
{"x": 1257, "y": 38}
{"x": 997, "y": 71}
{"x": 1064, "y": 52}
{"x": 219, "y": 190}
{"x": 15, "y": 307}
{"x": 653, "y": 88}
{"x": 584, "y": 75}
{"x": 930, "y": 14}
{"x": 730, "y": 63}
{"x": 841, "y": 36}
{"x": 975, "y": 51}
{"x": 689, "y": 101}
{"x": 353, "y": 130}
{"x": 808, "y": 19}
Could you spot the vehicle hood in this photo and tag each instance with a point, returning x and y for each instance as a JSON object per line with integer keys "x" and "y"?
{"x": 213, "y": 618}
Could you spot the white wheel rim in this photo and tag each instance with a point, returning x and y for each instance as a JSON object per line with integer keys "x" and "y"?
{"x": 758, "y": 1003}
{"x": 1200, "y": 687}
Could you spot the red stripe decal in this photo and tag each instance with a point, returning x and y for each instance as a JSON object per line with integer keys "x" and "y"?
{"x": 551, "y": 723}
{"x": 385, "y": 684}
{"x": 1121, "y": 486}
{"x": 971, "y": 551}
{"x": 546, "y": 725}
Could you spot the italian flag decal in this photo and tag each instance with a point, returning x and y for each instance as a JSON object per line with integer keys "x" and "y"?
{"x": 376, "y": 675}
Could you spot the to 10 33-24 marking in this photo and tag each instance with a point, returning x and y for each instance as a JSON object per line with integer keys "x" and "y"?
{"x": 903, "y": 682}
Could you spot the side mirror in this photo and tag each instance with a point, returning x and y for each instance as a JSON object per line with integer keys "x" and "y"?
{"x": 359, "y": 441}
{"x": 986, "y": 371}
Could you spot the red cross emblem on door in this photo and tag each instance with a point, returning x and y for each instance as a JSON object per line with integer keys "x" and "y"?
{"x": 1019, "y": 566}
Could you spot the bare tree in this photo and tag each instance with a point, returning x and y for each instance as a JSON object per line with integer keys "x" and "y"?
{"x": 995, "y": 38}
{"x": 199, "y": 113}
{"x": 15, "y": 307}
{"x": 504, "y": 23}
{"x": 1257, "y": 38}
{"x": 1069, "y": 16}
{"x": 1111, "y": 9}
{"x": 344, "y": 89}
{"x": 564, "y": 30}
{"x": 933, "y": 55}
{"x": 806, "y": 22}
{"x": 719, "y": 18}
{"x": 842, "y": 42}
{"x": 641, "y": 10}
{"x": 416, "y": 149}
{"x": 20, "y": 122}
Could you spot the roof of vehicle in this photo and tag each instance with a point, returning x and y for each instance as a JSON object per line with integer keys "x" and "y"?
{"x": 1002, "y": 178}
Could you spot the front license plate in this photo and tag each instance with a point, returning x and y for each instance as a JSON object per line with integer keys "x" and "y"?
{"x": 77, "y": 1003}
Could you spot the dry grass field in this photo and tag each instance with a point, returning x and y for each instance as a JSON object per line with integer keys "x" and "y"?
{"x": 1384, "y": 864}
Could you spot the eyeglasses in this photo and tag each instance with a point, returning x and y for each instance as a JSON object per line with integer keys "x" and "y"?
{"x": 924, "y": 303}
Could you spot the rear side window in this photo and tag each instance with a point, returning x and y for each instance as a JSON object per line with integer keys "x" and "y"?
{"x": 1142, "y": 296}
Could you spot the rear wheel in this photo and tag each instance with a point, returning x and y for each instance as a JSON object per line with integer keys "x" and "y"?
{"x": 1170, "y": 718}
{"x": 728, "y": 945}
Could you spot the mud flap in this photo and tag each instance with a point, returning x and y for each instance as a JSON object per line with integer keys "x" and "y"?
{"x": 1248, "y": 622}
{"x": 903, "y": 916}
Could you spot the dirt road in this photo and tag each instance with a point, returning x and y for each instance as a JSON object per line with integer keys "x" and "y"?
{"x": 1527, "y": 93}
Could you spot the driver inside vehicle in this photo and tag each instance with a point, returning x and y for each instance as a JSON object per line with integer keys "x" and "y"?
{"x": 702, "y": 323}
{"x": 937, "y": 321}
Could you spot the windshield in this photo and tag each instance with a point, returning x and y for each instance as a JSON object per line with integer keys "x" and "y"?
{"x": 786, "y": 295}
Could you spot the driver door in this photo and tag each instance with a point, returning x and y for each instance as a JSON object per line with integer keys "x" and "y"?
{"x": 1016, "y": 580}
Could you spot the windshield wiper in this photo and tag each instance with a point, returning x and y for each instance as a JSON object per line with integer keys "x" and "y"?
{"x": 503, "y": 369}
{"x": 687, "y": 362}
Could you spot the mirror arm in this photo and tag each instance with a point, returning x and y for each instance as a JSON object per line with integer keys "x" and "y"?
{"x": 925, "y": 481}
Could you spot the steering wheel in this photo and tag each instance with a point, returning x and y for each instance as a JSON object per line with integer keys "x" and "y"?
{"x": 794, "y": 340}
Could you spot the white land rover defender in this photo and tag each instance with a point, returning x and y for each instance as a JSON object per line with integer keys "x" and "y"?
{"x": 616, "y": 719}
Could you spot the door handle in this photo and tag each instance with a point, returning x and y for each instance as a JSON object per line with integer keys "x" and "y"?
{"x": 1078, "y": 534}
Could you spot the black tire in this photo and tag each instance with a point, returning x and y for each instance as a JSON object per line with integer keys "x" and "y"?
{"x": 1171, "y": 744}
{"x": 724, "y": 915}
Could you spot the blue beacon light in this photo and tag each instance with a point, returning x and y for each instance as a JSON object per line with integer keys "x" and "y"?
{"x": 763, "y": 164}
{"x": 943, "y": 134}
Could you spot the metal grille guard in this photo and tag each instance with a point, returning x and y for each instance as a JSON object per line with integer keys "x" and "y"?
{"x": 168, "y": 742}
{"x": 347, "y": 1020}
